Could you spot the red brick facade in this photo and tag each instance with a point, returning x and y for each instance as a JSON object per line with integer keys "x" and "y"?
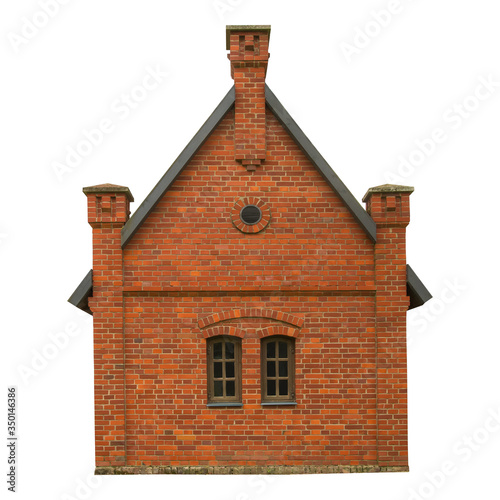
{"x": 189, "y": 273}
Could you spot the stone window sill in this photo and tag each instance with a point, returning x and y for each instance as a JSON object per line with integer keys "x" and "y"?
{"x": 279, "y": 403}
{"x": 211, "y": 405}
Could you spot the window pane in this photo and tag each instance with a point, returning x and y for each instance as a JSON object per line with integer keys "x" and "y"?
{"x": 217, "y": 370}
{"x": 283, "y": 385}
{"x": 283, "y": 368}
{"x": 218, "y": 388}
{"x": 271, "y": 350}
{"x": 224, "y": 369}
{"x": 229, "y": 350}
{"x": 271, "y": 387}
{"x": 283, "y": 349}
{"x": 218, "y": 350}
{"x": 271, "y": 369}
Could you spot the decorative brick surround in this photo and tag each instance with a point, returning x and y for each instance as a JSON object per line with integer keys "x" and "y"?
{"x": 251, "y": 313}
{"x": 223, "y": 330}
{"x": 240, "y": 224}
{"x": 278, "y": 330}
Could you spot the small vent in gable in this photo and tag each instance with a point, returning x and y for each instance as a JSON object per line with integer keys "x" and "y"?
{"x": 250, "y": 215}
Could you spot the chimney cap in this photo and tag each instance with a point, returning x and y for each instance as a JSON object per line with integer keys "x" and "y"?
{"x": 108, "y": 188}
{"x": 246, "y": 27}
{"x": 388, "y": 188}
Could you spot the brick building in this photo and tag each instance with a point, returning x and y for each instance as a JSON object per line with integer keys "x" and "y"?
{"x": 251, "y": 315}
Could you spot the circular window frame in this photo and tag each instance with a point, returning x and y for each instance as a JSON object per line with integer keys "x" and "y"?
{"x": 255, "y": 227}
{"x": 251, "y": 223}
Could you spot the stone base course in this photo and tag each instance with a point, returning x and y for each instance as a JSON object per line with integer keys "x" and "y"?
{"x": 248, "y": 469}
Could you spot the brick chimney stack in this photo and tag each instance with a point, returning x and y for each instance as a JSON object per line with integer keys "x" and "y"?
{"x": 248, "y": 46}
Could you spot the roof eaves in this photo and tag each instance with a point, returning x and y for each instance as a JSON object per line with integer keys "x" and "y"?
{"x": 416, "y": 290}
{"x": 83, "y": 291}
{"x": 140, "y": 215}
{"x": 359, "y": 213}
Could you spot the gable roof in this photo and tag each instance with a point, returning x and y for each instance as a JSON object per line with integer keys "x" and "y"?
{"x": 416, "y": 289}
{"x": 282, "y": 115}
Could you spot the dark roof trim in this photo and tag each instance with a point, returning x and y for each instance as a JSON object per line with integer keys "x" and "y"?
{"x": 415, "y": 289}
{"x": 140, "y": 215}
{"x": 359, "y": 213}
{"x": 82, "y": 293}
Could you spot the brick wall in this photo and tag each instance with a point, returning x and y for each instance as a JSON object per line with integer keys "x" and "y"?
{"x": 189, "y": 241}
{"x": 168, "y": 422}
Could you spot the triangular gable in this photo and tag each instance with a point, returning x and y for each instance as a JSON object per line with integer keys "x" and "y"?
{"x": 282, "y": 115}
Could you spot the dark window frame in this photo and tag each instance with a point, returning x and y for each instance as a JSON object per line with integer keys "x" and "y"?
{"x": 277, "y": 398}
{"x": 211, "y": 379}
{"x": 246, "y": 220}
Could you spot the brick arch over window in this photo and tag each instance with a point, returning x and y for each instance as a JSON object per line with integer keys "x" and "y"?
{"x": 214, "y": 331}
{"x": 278, "y": 330}
{"x": 251, "y": 313}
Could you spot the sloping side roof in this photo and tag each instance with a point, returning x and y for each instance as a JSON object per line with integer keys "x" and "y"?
{"x": 80, "y": 297}
{"x": 415, "y": 289}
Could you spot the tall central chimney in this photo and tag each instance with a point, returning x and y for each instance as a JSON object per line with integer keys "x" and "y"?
{"x": 248, "y": 46}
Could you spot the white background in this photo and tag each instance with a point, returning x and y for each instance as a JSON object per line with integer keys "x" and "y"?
{"x": 361, "y": 114}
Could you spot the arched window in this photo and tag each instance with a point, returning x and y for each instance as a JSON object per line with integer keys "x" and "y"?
{"x": 224, "y": 370}
{"x": 278, "y": 369}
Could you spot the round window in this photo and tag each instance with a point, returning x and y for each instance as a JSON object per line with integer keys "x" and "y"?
{"x": 250, "y": 215}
